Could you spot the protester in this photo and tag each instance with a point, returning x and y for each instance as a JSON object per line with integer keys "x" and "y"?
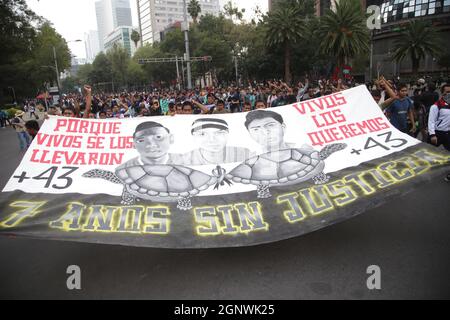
{"x": 429, "y": 97}
{"x": 3, "y": 118}
{"x": 260, "y": 104}
{"x": 220, "y": 108}
{"x": 420, "y": 115}
{"x": 32, "y": 127}
{"x": 247, "y": 107}
{"x": 439, "y": 120}
{"x": 19, "y": 125}
{"x": 187, "y": 107}
{"x": 400, "y": 108}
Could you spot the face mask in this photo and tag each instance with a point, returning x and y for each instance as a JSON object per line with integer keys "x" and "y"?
{"x": 446, "y": 98}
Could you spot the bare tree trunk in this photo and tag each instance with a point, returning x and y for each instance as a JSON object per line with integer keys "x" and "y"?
{"x": 415, "y": 66}
{"x": 287, "y": 63}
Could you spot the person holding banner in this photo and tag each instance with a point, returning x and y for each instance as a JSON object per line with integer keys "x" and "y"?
{"x": 439, "y": 120}
{"x": 19, "y": 125}
{"x": 220, "y": 108}
{"x": 209, "y": 107}
{"x": 400, "y": 107}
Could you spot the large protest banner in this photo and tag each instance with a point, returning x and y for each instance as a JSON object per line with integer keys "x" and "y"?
{"x": 213, "y": 180}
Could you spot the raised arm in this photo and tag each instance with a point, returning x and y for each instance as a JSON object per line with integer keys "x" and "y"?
{"x": 201, "y": 106}
{"x": 388, "y": 88}
{"x": 87, "y": 111}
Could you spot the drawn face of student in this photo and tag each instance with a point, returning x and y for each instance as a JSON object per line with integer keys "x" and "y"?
{"x": 153, "y": 143}
{"x": 267, "y": 132}
{"x": 211, "y": 136}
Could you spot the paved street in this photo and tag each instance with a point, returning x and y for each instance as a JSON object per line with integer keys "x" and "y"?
{"x": 409, "y": 239}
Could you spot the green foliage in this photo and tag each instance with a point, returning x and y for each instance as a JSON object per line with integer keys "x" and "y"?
{"x": 415, "y": 41}
{"x": 70, "y": 84}
{"x": 136, "y": 75}
{"x": 444, "y": 60}
{"x": 84, "y": 72}
{"x": 17, "y": 33}
{"x": 119, "y": 58}
{"x": 343, "y": 32}
{"x": 289, "y": 41}
{"x": 101, "y": 70}
{"x": 173, "y": 43}
{"x": 194, "y": 10}
{"x": 43, "y": 56}
{"x": 135, "y": 37}
{"x": 26, "y": 58}
{"x": 233, "y": 12}
{"x": 286, "y": 26}
{"x": 155, "y": 72}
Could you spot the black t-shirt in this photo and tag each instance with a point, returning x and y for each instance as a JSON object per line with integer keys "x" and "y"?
{"x": 290, "y": 99}
{"x": 429, "y": 98}
{"x": 155, "y": 112}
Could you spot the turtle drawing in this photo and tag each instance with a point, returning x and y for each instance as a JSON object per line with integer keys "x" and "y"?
{"x": 284, "y": 167}
{"x": 166, "y": 183}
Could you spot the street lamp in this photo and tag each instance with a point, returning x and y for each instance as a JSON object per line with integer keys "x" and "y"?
{"x": 177, "y": 59}
{"x": 186, "y": 40}
{"x": 238, "y": 52}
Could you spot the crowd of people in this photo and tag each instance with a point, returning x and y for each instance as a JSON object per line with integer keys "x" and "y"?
{"x": 161, "y": 102}
{"x": 417, "y": 108}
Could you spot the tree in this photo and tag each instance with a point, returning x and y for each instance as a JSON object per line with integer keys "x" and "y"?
{"x": 417, "y": 40}
{"x": 70, "y": 84}
{"x": 231, "y": 11}
{"x": 135, "y": 37}
{"x": 16, "y": 30}
{"x": 444, "y": 61}
{"x": 343, "y": 32}
{"x": 285, "y": 27}
{"x": 43, "y": 55}
{"x": 173, "y": 43}
{"x": 135, "y": 74}
{"x": 17, "y": 36}
{"x": 101, "y": 70}
{"x": 84, "y": 73}
{"x": 216, "y": 48}
{"x": 154, "y": 72}
{"x": 119, "y": 58}
{"x": 194, "y": 10}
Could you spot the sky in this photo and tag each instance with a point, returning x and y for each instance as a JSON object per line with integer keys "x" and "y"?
{"x": 73, "y": 18}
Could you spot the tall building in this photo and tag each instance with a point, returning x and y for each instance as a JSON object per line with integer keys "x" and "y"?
{"x": 121, "y": 36}
{"x": 155, "y": 15}
{"x": 395, "y": 16}
{"x": 110, "y": 15}
{"x": 91, "y": 42}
